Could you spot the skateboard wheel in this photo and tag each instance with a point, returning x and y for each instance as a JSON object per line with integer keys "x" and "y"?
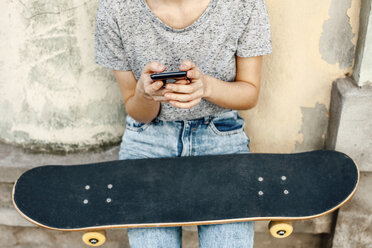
{"x": 280, "y": 229}
{"x": 95, "y": 238}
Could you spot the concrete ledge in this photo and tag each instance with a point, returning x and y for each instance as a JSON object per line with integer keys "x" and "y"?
{"x": 14, "y": 161}
{"x": 354, "y": 222}
{"x": 350, "y": 131}
{"x": 314, "y": 226}
{"x": 350, "y": 123}
{"x": 10, "y": 217}
{"x": 35, "y": 237}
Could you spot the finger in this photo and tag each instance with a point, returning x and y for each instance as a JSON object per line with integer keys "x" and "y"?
{"x": 159, "y": 99}
{"x": 157, "y": 85}
{"x": 185, "y": 105}
{"x": 153, "y": 67}
{"x": 152, "y": 92}
{"x": 161, "y": 92}
{"x": 150, "y": 68}
{"x": 182, "y": 81}
{"x": 187, "y": 65}
{"x": 181, "y": 88}
{"x": 152, "y": 87}
{"x": 183, "y": 97}
{"x": 194, "y": 74}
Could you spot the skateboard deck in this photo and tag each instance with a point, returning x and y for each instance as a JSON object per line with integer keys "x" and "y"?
{"x": 186, "y": 191}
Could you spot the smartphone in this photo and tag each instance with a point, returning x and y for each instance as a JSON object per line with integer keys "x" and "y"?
{"x": 169, "y": 77}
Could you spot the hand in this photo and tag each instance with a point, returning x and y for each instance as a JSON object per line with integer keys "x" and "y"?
{"x": 187, "y": 94}
{"x": 148, "y": 88}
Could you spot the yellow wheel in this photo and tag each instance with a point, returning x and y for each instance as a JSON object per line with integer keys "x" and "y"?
{"x": 95, "y": 238}
{"x": 280, "y": 229}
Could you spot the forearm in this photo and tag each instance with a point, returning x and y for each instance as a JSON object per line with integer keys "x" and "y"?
{"x": 141, "y": 108}
{"x": 142, "y": 98}
{"x": 232, "y": 95}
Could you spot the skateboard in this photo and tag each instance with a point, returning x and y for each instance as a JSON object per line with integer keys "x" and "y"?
{"x": 183, "y": 191}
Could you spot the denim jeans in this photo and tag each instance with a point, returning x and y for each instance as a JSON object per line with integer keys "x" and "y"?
{"x": 211, "y": 135}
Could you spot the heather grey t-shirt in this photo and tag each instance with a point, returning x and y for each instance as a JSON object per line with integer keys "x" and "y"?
{"x": 129, "y": 35}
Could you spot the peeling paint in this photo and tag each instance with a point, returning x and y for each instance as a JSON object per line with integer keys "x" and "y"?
{"x": 53, "y": 97}
{"x": 336, "y": 42}
{"x": 314, "y": 126}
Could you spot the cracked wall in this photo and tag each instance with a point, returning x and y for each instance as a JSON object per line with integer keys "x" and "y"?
{"x": 53, "y": 96}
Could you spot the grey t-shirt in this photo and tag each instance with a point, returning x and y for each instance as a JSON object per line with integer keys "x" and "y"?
{"x": 129, "y": 35}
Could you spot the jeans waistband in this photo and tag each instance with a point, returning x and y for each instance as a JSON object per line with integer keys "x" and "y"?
{"x": 206, "y": 119}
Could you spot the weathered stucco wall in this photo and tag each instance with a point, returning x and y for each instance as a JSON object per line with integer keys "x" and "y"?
{"x": 313, "y": 43}
{"x": 53, "y": 96}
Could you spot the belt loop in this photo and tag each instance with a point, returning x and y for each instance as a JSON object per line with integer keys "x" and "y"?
{"x": 207, "y": 119}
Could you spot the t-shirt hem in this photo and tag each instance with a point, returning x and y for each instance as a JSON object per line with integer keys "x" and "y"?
{"x": 255, "y": 52}
{"x": 194, "y": 116}
{"x": 113, "y": 66}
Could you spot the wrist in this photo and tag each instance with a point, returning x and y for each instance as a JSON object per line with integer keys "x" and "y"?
{"x": 208, "y": 86}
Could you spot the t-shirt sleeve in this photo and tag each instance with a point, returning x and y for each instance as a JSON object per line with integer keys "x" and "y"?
{"x": 108, "y": 46}
{"x": 256, "y": 37}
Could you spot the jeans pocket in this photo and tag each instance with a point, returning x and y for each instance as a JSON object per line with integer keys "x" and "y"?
{"x": 227, "y": 124}
{"x": 136, "y": 126}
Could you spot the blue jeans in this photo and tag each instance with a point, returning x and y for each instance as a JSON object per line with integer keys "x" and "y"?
{"x": 212, "y": 135}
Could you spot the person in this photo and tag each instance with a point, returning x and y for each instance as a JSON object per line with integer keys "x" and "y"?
{"x": 220, "y": 43}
